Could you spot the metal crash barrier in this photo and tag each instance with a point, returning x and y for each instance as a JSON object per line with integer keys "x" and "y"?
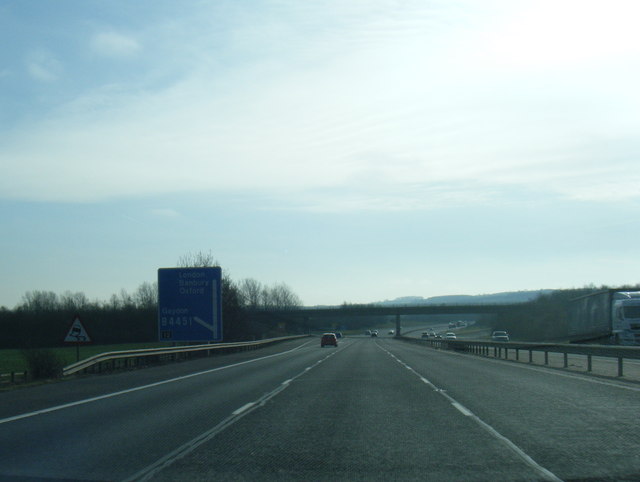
{"x": 132, "y": 358}
{"x": 502, "y": 350}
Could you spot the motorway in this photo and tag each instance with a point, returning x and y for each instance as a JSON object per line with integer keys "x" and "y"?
{"x": 372, "y": 409}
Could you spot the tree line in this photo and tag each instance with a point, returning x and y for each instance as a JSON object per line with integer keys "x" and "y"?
{"x": 249, "y": 293}
{"x": 42, "y": 318}
{"x": 547, "y": 317}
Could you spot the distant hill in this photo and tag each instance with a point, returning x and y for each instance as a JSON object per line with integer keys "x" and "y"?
{"x": 507, "y": 297}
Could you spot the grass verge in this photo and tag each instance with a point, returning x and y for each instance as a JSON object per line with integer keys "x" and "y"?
{"x": 14, "y": 361}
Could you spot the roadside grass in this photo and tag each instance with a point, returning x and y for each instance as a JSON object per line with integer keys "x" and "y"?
{"x": 12, "y": 360}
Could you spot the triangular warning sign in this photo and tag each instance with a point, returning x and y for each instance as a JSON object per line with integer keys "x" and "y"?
{"x": 77, "y": 333}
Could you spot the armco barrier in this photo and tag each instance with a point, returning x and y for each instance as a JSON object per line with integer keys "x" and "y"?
{"x": 502, "y": 349}
{"x": 137, "y": 357}
{"x": 13, "y": 378}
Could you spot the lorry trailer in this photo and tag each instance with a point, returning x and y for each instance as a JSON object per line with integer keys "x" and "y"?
{"x": 610, "y": 314}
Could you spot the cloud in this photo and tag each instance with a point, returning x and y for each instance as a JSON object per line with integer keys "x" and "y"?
{"x": 383, "y": 120}
{"x": 113, "y": 44}
{"x": 43, "y": 66}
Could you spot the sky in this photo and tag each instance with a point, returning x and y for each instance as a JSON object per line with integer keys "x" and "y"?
{"x": 357, "y": 151}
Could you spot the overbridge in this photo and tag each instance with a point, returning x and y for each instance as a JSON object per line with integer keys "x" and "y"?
{"x": 305, "y": 315}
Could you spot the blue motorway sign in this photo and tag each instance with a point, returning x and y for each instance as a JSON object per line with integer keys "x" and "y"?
{"x": 190, "y": 304}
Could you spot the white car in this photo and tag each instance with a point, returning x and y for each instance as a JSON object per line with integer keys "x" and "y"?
{"x": 450, "y": 336}
{"x": 500, "y": 336}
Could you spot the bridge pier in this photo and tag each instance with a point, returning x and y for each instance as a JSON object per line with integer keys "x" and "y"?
{"x": 397, "y": 324}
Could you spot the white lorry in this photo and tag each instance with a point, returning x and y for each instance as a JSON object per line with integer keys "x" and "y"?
{"x": 611, "y": 314}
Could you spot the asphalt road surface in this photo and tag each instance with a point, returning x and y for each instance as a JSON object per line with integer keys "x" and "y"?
{"x": 372, "y": 409}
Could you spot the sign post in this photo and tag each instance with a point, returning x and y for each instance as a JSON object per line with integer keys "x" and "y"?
{"x": 190, "y": 304}
{"x": 77, "y": 335}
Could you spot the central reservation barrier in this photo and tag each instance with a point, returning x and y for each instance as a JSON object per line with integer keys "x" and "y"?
{"x": 502, "y": 349}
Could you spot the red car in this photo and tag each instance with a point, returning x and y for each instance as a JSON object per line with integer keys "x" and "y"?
{"x": 329, "y": 339}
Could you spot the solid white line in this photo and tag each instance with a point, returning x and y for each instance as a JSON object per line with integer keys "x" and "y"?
{"x": 286, "y": 382}
{"x": 462, "y": 409}
{"x": 244, "y": 408}
{"x": 585, "y": 378}
{"x": 547, "y": 474}
{"x": 136, "y": 389}
{"x": 552, "y": 371}
{"x": 532, "y": 463}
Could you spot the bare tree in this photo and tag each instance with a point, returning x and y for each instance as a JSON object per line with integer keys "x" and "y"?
{"x": 198, "y": 260}
{"x": 277, "y": 297}
{"x": 113, "y": 303}
{"x": 266, "y": 301}
{"x": 283, "y": 298}
{"x": 125, "y": 299}
{"x": 39, "y": 301}
{"x": 73, "y": 301}
{"x": 250, "y": 290}
{"x": 146, "y": 295}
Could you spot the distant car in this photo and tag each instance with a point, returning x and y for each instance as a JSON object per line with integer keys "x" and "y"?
{"x": 374, "y": 333}
{"x": 425, "y": 334}
{"x": 438, "y": 336}
{"x": 500, "y": 336}
{"x": 329, "y": 339}
{"x": 449, "y": 336}
{"x": 338, "y": 334}
{"x": 391, "y": 332}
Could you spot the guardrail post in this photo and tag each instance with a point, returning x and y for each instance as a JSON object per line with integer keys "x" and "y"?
{"x": 530, "y": 356}
{"x": 546, "y": 357}
{"x": 517, "y": 354}
{"x": 506, "y": 353}
{"x": 566, "y": 360}
{"x": 619, "y": 366}
{"x": 589, "y": 363}
{"x": 495, "y": 352}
